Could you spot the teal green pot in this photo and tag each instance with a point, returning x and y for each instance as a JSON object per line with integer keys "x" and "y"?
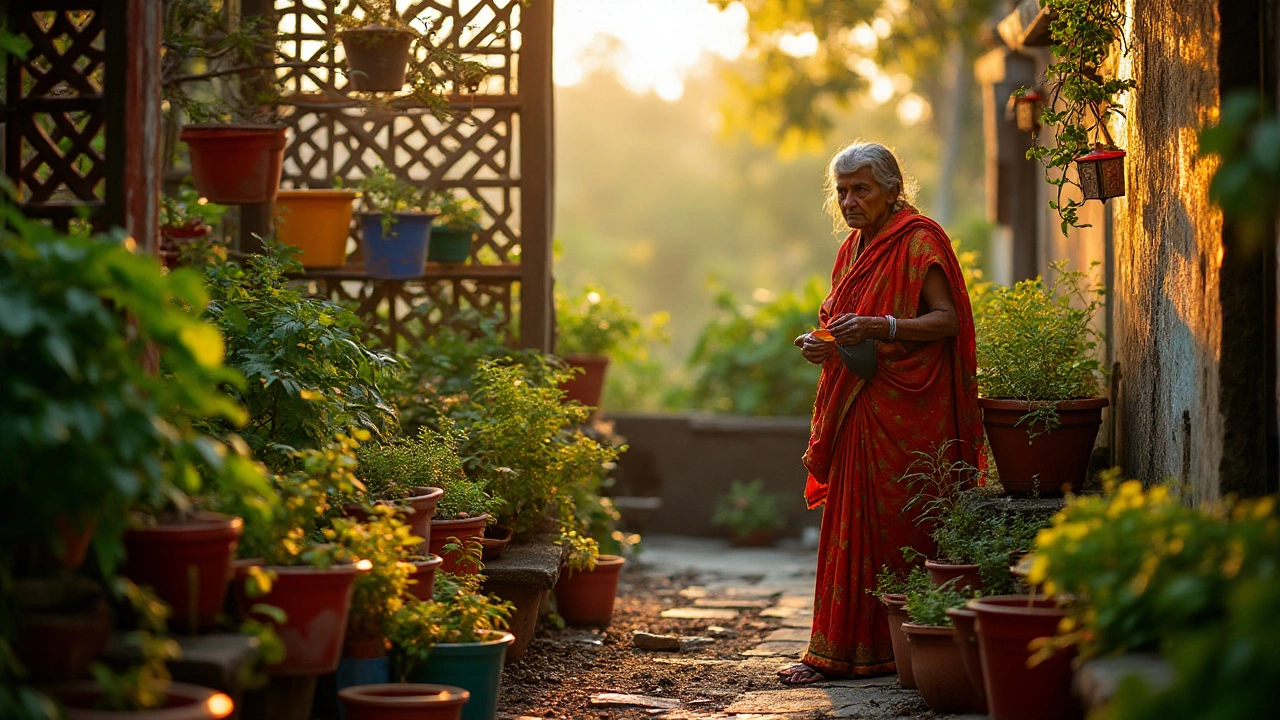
{"x": 474, "y": 667}
{"x": 449, "y": 245}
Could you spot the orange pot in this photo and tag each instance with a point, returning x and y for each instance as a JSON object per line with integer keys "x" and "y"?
{"x": 585, "y": 598}
{"x": 317, "y": 222}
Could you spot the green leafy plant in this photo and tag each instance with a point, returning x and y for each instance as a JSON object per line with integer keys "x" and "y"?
{"x": 383, "y": 543}
{"x": 142, "y": 686}
{"x": 592, "y": 322}
{"x": 1036, "y": 343}
{"x": 457, "y": 613}
{"x": 747, "y": 509}
{"x": 889, "y": 582}
{"x": 188, "y": 210}
{"x": 1081, "y": 101}
{"x": 393, "y": 469}
{"x": 455, "y": 211}
{"x": 928, "y": 605}
{"x": 384, "y": 193}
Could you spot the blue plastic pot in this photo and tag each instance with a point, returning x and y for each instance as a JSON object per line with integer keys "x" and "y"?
{"x": 401, "y": 252}
{"x": 475, "y": 667}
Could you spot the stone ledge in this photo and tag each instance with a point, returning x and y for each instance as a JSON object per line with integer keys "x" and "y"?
{"x": 535, "y": 563}
{"x": 219, "y": 661}
{"x": 1097, "y": 680}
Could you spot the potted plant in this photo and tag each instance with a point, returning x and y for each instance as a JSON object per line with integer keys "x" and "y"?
{"x": 395, "y": 226}
{"x": 317, "y": 222}
{"x": 377, "y": 45}
{"x": 935, "y": 657}
{"x": 1010, "y": 630}
{"x": 184, "y": 219}
{"x": 892, "y": 590}
{"x": 588, "y": 583}
{"x": 458, "y": 639}
{"x": 422, "y": 578}
{"x": 398, "y": 701}
{"x": 1038, "y": 377}
{"x": 749, "y": 513}
{"x": 456, "y": 224}
{"x": 590, "y": 326}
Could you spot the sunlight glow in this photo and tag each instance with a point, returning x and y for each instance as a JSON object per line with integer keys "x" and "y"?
{"x": 799, "y": 46}
{"x": 882, "y": 89}
{"x": 864, "y": 37}
{"x": 912, "y": 109}
{"x": 653, "y": 45}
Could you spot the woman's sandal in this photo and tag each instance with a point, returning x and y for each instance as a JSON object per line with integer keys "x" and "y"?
{"x": 800, "y": 674}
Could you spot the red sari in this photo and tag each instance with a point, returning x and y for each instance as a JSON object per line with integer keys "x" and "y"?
{"x": 864, "y": 435}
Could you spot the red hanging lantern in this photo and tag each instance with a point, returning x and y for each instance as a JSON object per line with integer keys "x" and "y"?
{"x": 1101, "y": 173}
{"x": 1026, "y": 111}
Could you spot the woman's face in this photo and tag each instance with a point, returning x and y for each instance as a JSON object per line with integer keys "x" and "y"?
{"x": 863, "y": 203}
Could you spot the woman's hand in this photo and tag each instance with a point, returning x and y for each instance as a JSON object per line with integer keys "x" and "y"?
{"x": 814, "y": 350}
{"x": 850, "y": 329}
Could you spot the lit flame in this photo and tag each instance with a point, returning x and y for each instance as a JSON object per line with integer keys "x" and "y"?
{"x": 219, "y": 705}
{"x": 364, "y": 565}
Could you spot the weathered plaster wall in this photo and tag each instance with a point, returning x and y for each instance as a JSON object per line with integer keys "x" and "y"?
{"x": 1168, "y": 250}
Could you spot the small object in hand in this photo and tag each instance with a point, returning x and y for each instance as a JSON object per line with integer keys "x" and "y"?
{"x": 860, "y": 359}
{"x": 823, "y": 334}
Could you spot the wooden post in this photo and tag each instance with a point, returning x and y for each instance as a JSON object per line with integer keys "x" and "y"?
{"x": 537, "y": 176}
{"x": 255, "y": 219}
{"x": 140, "y": 195}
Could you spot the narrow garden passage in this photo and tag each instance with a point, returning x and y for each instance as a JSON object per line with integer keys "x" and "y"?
{"x": 740, "y": 614}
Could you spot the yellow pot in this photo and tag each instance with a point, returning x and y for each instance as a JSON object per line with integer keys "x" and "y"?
{"x": 316, "y": 222}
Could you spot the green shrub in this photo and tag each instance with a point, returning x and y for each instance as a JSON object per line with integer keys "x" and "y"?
{"x": 391, "y": 470}
{"x": 593, "y": 322}
{"x": 928, "y": 604}
{"x": 457, "y": 613}
{"x": 748, "y": 509}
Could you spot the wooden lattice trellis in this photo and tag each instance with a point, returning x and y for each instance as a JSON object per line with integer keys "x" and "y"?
{"x": 496, "y": 149}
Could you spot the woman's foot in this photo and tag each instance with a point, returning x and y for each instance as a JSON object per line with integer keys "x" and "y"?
{"x": 800, "y": 674}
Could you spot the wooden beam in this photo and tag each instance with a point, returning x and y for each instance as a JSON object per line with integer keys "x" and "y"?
{"x": 1026, "y": 26}
{"x": 537, "y": 176}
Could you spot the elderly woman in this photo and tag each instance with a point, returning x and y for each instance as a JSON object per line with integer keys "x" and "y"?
{"x": 897, "y": 285}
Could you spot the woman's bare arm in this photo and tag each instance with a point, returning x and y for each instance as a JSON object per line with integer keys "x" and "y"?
{"x": 939, "y": 319}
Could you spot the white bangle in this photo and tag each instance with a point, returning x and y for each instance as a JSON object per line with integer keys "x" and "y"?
{"x": 893, "y": 326}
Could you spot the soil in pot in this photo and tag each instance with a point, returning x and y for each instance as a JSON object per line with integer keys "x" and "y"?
{"x": 967, "y": 578}
{"x": 400, "y": 253}
{"x": 404, "y": 701}
{"x": 1047, "y": 463}
{"x": 182, "y": 702}
{"x": 938, "y": 672}
{"x": 587, "y": 385}
{"x": 463, "y": 529}
{"x": 377, "y": 57}
{"x": 895, "y": 607}
{"x": 966, "y": 639}
{"x": 422, "y": 580}
{"x": 474, "y": 667}
{"x": 585, "y": 597}
{"x": 449, "y": 245}
{"x": 317, "y": 222}
{"x": 187, "y": 562}
{"x": 316, "y": 602}
{"x": 236, "y": 164}
{"x": 1005, "y": 626}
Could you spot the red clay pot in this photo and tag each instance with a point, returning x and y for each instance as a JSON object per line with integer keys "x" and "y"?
{"x": 316, "y": 602}
{"x": 586, "y": 386}
{"x": 495, "y": 541}
{"x": 970, "y": 658}
{"x": 404, "y": 701}
{"x": 420, "y": 507}
{"x": 585, "y": 597}
{"x": 938, "y": 671}
{"x": 895, "y": 606}
{"x": 423, "y": 577}
{"x": 182, "y": 702}
{"x": 1006, "y": 624}
{"x": 941, "y": 572}
{"x": 1048, "y": 463}
{"x": 187, "y": 562}
{"x": 236, "y": 164}
{"x": 377, "y": 57}
{"x": 463, "y": 529}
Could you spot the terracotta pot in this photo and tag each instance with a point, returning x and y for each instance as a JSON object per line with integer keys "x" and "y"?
{"x": 586, "y": 386}
{"x": 462, "y": 529}
{"x": 495, "y": 541}
{"x": 1005, "y": 626}
{"x": 423, "y": 577}
{"x": 404, "y": 701}
{"x": 63, "y": 626}
{"x": 970, "y": 580}
{"x": 174, "y": 239}
{"x": 317, "y": 222}
{"x": 377, "y": 57}
{"x": 938, "y": 671}
{"x": 182, "y": 702}
{"x": 417, "y": 510}
{"x": 363, "y": 647}
{"x": 236, "y": 164}
{"x": 585, "y": 598}
{"x": 475, "y": 667}
{"x": 970, "y": 658}
{"x": 74, "y": 536}
{"x": 1048, "y": 463}
{"x": 896, "y": 607}
{"x": 187, "y": 562}
{"x": 316, "y": 602}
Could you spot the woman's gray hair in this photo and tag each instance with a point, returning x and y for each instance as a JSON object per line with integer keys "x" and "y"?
{"x": 884, "y": 168}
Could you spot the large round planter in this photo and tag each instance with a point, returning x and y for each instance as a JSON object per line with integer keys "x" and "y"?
{"x": 1047, "y": 463}
{"x": 377, "y": 57}
{"x": 422, "y": 580}
{"x": 400, "y": 253}
{"x": 236, "y": 164}
{"x": 585, "y": 597}
{"x": 967, "y": 578}
{"x": 462, "y": 529}
{"x": 1006, "y": 625}
{"x": 587, "y": 385}
{"x": 317, "y": 222}
{"x": 966, "y": 639}
{"x": 404, "y": 701}
{"x": 420, "y": 506}
{"x": 474, "y": 667}
{"x": 187, "y": 562}
{"x": 449, "y": 245}
{"x": 316, "y": 602}
{"x": 182, "y": 702}
{"x": 896, "y": 608}
{"x": 938, "y": 671}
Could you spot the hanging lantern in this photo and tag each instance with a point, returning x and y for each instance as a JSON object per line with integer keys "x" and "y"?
{"x": 1026, "y": 110}
{"x": 1101, "y": 173}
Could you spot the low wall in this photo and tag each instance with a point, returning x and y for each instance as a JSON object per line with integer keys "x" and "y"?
{"x": 678, "y": 465}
